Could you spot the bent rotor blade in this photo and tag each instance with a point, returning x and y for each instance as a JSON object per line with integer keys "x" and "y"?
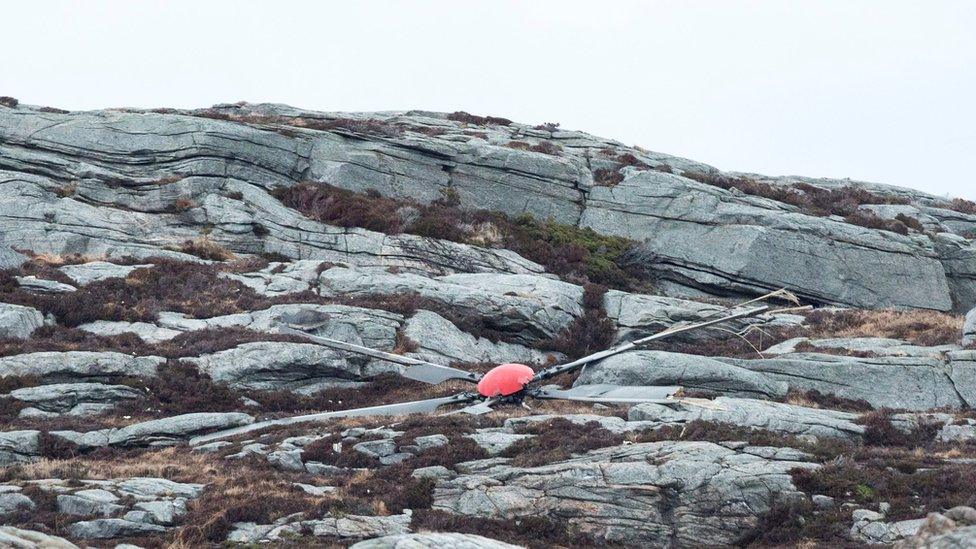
{"x": 417, "y": 369}
{"x": 579, "y": 363}
{"x": 401, "y": 408}
{"x": 620, "y": 394}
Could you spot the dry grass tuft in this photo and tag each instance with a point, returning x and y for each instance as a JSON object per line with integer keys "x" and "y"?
{"x": 928, "y": 328}
{"x": 203, "y": 247}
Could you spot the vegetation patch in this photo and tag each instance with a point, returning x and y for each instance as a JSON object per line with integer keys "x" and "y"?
{"x": 557, "y": 440}
{"x": 369, "y": 126}
{"x": 927, "y": 328}
{"x": 587, "y": 334}
{"x": 843, "y": 202}
{"x": 468, "y": 118}
{"x": 575, "y": 254}
{"x": 8, "y": 101}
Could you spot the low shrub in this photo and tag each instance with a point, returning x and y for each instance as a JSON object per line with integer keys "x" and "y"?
{"x": 203, "y": 247}
{"x": 927, "y": 328}
{"x": 962, "y": 205}
{"x": 576, "y": 254}
{"x": 587, "y": 334}
{"x": 8, "y": 101}
{"x": 557, "y": 440}
{"x": 467, "y": 118}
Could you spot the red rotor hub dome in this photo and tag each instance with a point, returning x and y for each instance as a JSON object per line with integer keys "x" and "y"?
{"x": 505, "y": 380}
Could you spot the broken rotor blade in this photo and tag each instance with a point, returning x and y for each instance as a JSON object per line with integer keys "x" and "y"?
{"x": 620, "y": 394}
{"x": 400, "y": 408}
{"x": 578, "y": 363}
{"x": 417, "y": 369}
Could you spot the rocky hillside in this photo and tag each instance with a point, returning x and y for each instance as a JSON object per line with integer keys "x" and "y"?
{"x": 148, "y": 258}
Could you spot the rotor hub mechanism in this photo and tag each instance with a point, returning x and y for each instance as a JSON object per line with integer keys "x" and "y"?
{"x": 505, "y": 380}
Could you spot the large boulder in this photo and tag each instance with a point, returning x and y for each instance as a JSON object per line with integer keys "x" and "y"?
{"x": 694, "y": 373}
{"x": 275, "y": 365}
{"x": 18, "y": 538}
{"x": 912, "y": 383}
{"x": 78, "y": 365}
{"x": 157, "y": 432}
{"x": 75, "y": 399}
{"x": 758, "y": 414}
{"x": 19, "y": 322}
{"x": 527, "y": 307}
{"x": 679, "y": 494}
{"x": 19, "y": 447}
{"x": 440, "y": 341}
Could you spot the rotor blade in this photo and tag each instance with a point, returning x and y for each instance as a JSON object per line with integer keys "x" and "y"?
{"x": 400, "y": 408}
{"x": 477, "y": 409}
{"x": 417, "y": 369}
{"x": 561, "y": 368}
{"x": 623, "y": 394}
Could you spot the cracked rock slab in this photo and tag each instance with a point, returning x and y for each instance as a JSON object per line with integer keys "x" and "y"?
{"x": 681, "y": 494}
{"x": 433, "y": 540}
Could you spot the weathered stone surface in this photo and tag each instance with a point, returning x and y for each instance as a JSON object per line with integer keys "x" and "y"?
{"x": 870, "y": 527}
{"x": 281, "y": 365}
{"x": 689, "y": 371}
{"x": 43, "y": 286}
{"x": 526, "y": 306}
{"x": 680, "y": 494}
{"x": 75, "y": 398}
{"x": 112, "y": 528}
{"x": 13, "y": 504}
{"x": 704, "y": 238}
{"x": 9, "y": 259}
{"x": 352, "y": 526}
{"x": 89, "y": 502}
{"x": 157, "y": 432}
{"x": 78, "y": 365}
{"x": 496, "y": 442}
{"x": 913, "y": 383}
{"x": 17, "y": 538}
{"x": 433, "y": 540}
{"x": 874, "y": 345}
{"x": 441, "y": 342}
{"x": 18, "y": 447}
{"x": 951, "y": 529}
{"x": 19, "y": 322}
{"x": 759, "y": 414}
{"x": 969, "y": 329}
{"x": 85, "y": 273}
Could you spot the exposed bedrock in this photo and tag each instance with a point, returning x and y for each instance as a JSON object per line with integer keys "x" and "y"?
{"x": 679, "y": 494}
{"x": 140, "y": 183}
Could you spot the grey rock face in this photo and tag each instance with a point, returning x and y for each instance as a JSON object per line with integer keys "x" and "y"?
{"x": 759, "y": 414}
{"x": 75, "y": 398}
{"x": 870, "y": 527}
{"x": 875, "y": 345}
{"x": 89, "y": 502}
{"x": 14, "y": 503}
{"x": 352, "y": 526}
{"x": 112, "y": 528}
{"x": 10, "y": 259}
{"x": 18, "y": 447}
{"x": 689, "y": 371}
{"x": 681, "y": 494}
{"x": 43, "y": 286}
{"x": 79, "y": 365}
{"x": 433, "y": 540}
{"x": 913, "y": 383}
{"x": 98, "y": 270}
{"x": 157, "y": 432}
{"x": 526, "y": 306}
{"x": 496, "y": 442}
{"x": 19, "y": 322}
{"x": 708, "y": 239}
{"x": 123, "y": 163}
{"x": 969, "y": 329}
{"x": 18, "y": 538}
{"x": 280, "y": 365}
{"x": 442, "y": 342}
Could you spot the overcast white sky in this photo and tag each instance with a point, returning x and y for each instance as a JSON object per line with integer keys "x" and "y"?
{"x": 878, "y": 90}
